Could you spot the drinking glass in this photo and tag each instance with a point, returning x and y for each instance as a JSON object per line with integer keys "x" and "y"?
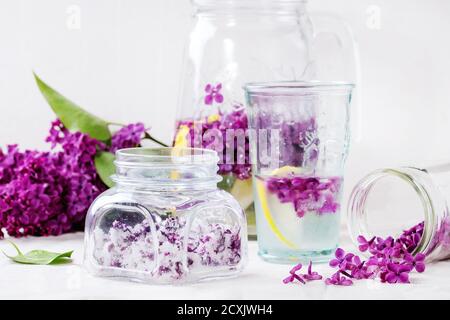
{"x": 299, "y": 139}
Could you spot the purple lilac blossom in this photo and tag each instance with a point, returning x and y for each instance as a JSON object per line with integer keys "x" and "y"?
{"x": 213, "y": 94}
{"x": 132, "y": 247}
{"x": 128, "y": 136}
{"x": 319, "y": 195}
{"x": 299, "y": 142}
{"x": 203, "y": 133}
{"x": 49, "y": 193}
{"x": 303, "y": 278}
{"x": 391, "y": 260}
{"x": 338, "y": 280}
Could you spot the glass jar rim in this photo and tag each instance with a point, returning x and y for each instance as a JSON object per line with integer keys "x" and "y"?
{"x": 246, "y": 3}
{"x": 167, "y": 168}
{"x": 294, "y": 87}
{"x": 143, "y": 156}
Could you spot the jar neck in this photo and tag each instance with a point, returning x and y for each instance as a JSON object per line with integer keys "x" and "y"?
{"x": 166, "y": 169}
{"x": 167, "y": 187}
{"x": 249, "y": 7}
{"x": 433, "y": 206}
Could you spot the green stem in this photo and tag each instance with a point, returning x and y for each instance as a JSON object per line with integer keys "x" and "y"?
{"x": 148, "y": 136}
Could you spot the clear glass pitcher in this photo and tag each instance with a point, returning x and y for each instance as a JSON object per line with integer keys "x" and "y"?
{"x": 299, "y": 142}
{"x": 235, "y": 42}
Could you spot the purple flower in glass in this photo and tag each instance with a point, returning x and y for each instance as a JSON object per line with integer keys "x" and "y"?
{"x": 213, "y": 94}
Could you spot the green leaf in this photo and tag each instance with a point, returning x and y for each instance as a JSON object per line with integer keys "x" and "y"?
{"x": 104, "y": 164}
{"x": 72, "y": 116}
{"x": 39, "y": 256}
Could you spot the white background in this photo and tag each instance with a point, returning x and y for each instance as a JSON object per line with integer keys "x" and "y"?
{"x": 123, "y": 63}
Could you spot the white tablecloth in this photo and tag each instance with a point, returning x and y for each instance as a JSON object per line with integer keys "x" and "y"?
{"x": 260, "y": 280}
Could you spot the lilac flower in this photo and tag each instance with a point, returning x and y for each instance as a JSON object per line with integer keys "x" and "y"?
{"x": 338, "y": 280}
{"x": 296, "y": 268}
{"x": 364, "y": 244}
{"x": 202, "y": 133}
{"x": 213, "y": 94}
{"x": 293, "y": 276}
{"x": 306, "y": 193}
{"x": 128, "y": 136}
{"x": 390, "y": 260}
{"x": 396, "y": 273}
{"x": 312, "y": 275}
{"x": 49, "y": 193}
{"x": 416, "y": 262}
{"x": 342, "y": 260}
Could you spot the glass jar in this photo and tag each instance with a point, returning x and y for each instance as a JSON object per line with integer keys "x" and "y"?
{"x": 404, "y": 201}
{"x": 300, "y": 138}
{"x": 233, "y": 42}
{"x": 165, "y": 221}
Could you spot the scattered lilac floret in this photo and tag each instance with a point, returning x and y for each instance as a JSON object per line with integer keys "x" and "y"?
{"x": 364, "y": 244}
{"x": 396, "y": 273}
{"x": 338, "y": 280}
{"x": 310, "y": 276}
{"x": 391, "y": 259}
{"x": 342, "y": 259}
{"x": 417, "y": 262}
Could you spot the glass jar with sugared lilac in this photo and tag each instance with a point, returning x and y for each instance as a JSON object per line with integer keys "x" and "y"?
{"x": 406, "y": 208}
{"x": 299, "y": 141}
{"x": 165, "y": 221}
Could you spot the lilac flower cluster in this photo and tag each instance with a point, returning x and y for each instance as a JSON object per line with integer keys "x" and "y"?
{"x": 391, "y": 260}
{"x": 134, "y": 248}
{"x": 48, "y": 193}
{"x": 212, "y": 134}
{"x": 128, "y": 136}
{"x": 300, "y": 145}
{"x": 319, "y": 195}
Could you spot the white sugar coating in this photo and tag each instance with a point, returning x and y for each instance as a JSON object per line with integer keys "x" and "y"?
{"x": 133, "y": 248}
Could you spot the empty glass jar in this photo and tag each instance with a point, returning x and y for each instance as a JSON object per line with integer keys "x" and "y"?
{"x": 407, "y": 202}
{"x": 165, "y": 221}
{"x": 299, "y": 142}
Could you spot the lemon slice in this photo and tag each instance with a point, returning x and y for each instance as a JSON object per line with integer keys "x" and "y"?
{"x": 213, "y": 118}
{"x": 286, "y": 170}
{"x": 181, "y": 140}
{"x": 267, "y": 214}
{"x": 242, "y": 191}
